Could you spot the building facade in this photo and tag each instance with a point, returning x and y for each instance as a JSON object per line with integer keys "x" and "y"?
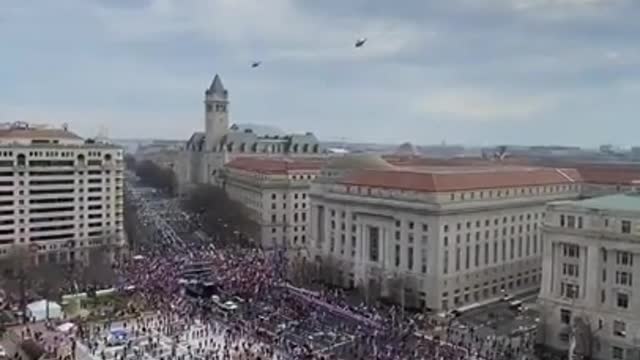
{"x": 590, "y": 271}
{"x": 206, "y": 152}
{"x": 60, "y": 196}
{"x": 275, "y": 190}
{"x": 448, "y": 236}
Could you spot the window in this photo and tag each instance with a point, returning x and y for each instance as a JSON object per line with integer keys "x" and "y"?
{"x": 624, "y": 278}
{"x": 626, "y": 226}
{"x": 570, "y": 250}
{"x": 619, "y": 328}
{"x": 397, "y": 255}
{"x": 579, "y": 222}
{"x": 624, "y": 258}
{"x": 570, "y": 291}
{"x": 467, "y": 254}
{"x": 571, "y": 221}
{"x": 617, "y": 353}
{"x": 445, "y": 262}
{"x": 570, "y": 270}
{"x": 622, "y": 301}
{"x": 410, "y": 258}
{"x": 504, "y": 250}
{"x": 562, "y": 221}
{"x": 486, "y": 253}
{"x": 374, "y": 238}
{"x": 565, "y": 316}
{"x": 457, "y": 259}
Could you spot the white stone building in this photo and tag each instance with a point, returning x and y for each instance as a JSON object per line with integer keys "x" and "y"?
{"x": 450, "y": 236}
{"x": 275, "y": 190}
{"x": 206, "y": 152}
{"x": 59, "y": 194}
{"x": 591, "y": 269}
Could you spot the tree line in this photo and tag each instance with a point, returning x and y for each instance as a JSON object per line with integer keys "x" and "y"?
{"x": 158, "y": 177}
{"x": 221, "y": 216}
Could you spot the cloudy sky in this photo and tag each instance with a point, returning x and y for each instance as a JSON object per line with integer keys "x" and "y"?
{"x": 461, "y": 71}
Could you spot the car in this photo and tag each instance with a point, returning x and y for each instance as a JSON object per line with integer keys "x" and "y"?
{"x": 507, "y": 297}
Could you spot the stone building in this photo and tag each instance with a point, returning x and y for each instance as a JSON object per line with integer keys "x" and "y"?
{"x": 275, "y": 190}
{"x": 590, "y": 271}
{"x": 448, "y": 236}
{"x": 206, "y": 152}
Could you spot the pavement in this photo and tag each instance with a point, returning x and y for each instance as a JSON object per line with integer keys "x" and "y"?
{"x": 192, "y": 342}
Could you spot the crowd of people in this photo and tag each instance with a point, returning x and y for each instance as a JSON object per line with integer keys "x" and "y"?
{"x": 272, "y": 319}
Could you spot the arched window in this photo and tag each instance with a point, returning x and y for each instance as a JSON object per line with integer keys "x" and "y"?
{"x": 316, "y": 148}
{"x": 242, "y": 147}
{"x": 22, "y": 160}
{"x": 295, "y": 148}
{"x": 230, "y": 147}
{"x": 254, "y": 147}
{"x": 305, "y": 148}
{"x": 107, "y": 157}
{"x": 81, "y": 160}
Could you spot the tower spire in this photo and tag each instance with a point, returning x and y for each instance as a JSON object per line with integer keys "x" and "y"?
{"x": 216, "y": 86}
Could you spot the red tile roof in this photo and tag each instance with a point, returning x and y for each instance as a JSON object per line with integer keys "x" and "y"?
{"x": 468, "y": 179}
{"x": 610, "y": 175}
{"x": 274, "y": 166}
{"x": 400, "y": 160}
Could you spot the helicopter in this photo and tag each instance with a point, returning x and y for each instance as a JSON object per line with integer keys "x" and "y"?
{"x": 360, "y": 42}
{"x": 255, "y": 64}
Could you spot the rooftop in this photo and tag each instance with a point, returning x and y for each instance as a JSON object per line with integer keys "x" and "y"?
{"x": 16, "y": 132}
{"x": 610, "y": 175}
{"x": 618, "y": 202}
{"x": 445, "y": 179}
{"x": 274, "y": 166}
{"x": 358, "y": 161}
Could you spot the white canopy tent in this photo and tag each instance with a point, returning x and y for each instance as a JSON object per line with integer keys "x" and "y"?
{"x": 37, "y": 310}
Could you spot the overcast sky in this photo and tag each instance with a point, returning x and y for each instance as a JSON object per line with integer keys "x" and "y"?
{"x": 460, "y": 71}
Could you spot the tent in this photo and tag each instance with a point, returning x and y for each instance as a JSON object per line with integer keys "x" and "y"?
{"x": 66, "y": 327}
{"x": 37, "y": 311}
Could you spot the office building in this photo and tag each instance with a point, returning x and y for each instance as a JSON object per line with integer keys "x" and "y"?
{"x": 591, "y": 268}
{"x": 60, "y": 196}
{"x": 449, "y": 236}
{"x": 275, "y": 190}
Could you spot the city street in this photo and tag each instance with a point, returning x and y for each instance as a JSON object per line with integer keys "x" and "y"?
{"x": 257, "y": 303}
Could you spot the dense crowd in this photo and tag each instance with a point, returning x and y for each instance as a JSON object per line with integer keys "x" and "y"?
{"x": 274, "y": 317}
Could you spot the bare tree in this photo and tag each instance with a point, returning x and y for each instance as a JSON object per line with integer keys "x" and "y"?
{"x": 331, "y": 271}
{"x": 222, "y": 215}
{"x": 130, "y": 162}
{"x": 302, "y": 272}
{"x": 157, "y": 177}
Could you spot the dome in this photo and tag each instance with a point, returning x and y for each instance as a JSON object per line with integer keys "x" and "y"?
{"x": 406, "y": 149}
{"x": 359, "y": 161}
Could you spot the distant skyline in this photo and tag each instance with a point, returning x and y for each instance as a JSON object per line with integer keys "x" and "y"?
{"x": 470, "y": 72}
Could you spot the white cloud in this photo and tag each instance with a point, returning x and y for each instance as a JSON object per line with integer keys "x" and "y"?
{"x": 482, "y": 105}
